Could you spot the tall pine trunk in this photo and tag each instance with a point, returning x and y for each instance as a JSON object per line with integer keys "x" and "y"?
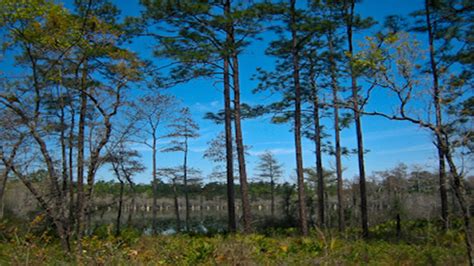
{"x": 232, "y": 225}
{"x": 317, "y": 143}
{"x": 303, "y": 220}
{"x": 64, "y": 163}
{"x": 319, "y": 164}
{"x": 358, "y": 126}
{"x": 246, "y": 211}
{"x": 80, "y": 160}
{"x": 71, "y": 168}
{"x": 337, "y": 131}
{"x": 437, "y": 105}
{"x": 444, "y": 152}
{"x": 62, "y": 137}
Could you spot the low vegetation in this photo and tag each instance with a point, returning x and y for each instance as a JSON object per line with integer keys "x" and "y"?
{"x": 422, "y": 243}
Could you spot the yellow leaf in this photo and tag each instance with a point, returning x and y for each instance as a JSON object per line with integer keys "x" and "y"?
{"x": 333, "y": 244}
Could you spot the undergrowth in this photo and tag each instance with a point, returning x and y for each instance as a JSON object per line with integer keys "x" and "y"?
{"x": 420, "y": 244}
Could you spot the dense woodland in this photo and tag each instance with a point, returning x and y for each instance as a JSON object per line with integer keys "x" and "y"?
{"x": 76, "y": 98}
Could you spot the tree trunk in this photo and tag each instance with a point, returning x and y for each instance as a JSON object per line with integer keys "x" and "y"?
{"x": 317, "y": 142}
{"x": 272, "y": 192}
{"x": 232, "y": 225}
{"x": 437, "y": 103}
{"x": 71, "y": 168}
{"x": 303, "y": 220}
{"x": 358, "y": 126}
{"x": 62, "y": 137}
{"x": 185, "y": 181}
{"x": 337, "y": 131}
{"x": 2, "y": 189}
{"x": 119, "y": 211}
{"x": 52, "y": 212}
{"x": 80, "y": 160}
{"x": 176, "y": 206}
{"x": 64, "y": 161}
{"x": 399, "y": 226}
{"x": 201, "y": 208}
{"x": 246, "y": 211}
{"x": 7, "y": 163}
{"x": 460, "y": 191}
{"x": 94, "y": 159}
{"x": 154, "y": 187}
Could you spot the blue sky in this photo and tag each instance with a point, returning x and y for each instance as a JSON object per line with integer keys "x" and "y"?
{"x": 389, "y": 142}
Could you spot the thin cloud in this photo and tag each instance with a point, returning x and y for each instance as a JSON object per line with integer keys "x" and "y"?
{"x": 273, "y": 143}
{"x": 385, "y": 134}
{"x": 198, "y": 149}
{"x": 206, "y": 107}
{"x": 278, "y": 151}
{"x": 415, "y": 148}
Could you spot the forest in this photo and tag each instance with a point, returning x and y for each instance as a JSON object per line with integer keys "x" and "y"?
{"x": 233, "y": 132}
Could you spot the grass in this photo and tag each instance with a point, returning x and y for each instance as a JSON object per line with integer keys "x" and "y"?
{"x": 420, "y": 245}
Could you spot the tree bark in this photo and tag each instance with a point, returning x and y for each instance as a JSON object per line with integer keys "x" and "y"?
{"x": 185, "y": 181}
{"x": 56, "y": 211}
{"x": 272, "y": 191}
{"x": 2, "y": 190}
{"x": 119, "y": 211}
{"x": 303, "y": 221}
{"x": 64, "y": 161}
{"x": 358, "y": 126}
{"x": 460, "y": 191}
{"x": 176, "y": 206}
{"x": 319, "y": 165}
{"x": 337, "y": 131}
{"x": 399, "y": 225}
{"x": 94, "y": 159}
{"x": 62, "y": 140}
{"x": 7, "y": 163}
{"x": 154, "y": 187}
{"x": 51, "y": 211}
{"x": 317, "y": 142}
{"x": 437, "y": 103}
{"x": 246, "y": 210}
{"x": 80, "y": 160}
{"x": 232, "y": 225}
{"x": 71, "y": 168}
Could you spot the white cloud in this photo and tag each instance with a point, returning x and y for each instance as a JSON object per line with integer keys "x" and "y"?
{"x": 415, "y": 148}
{"x": 277, "y": 151}
{"x": 206, "y": 107}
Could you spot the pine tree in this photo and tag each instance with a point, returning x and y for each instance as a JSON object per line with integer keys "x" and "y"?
{"x": 208, "y": 45}
{"x": 125, "y": 164}
{"x": 152, "y": 112}
{"x": 270, "y": 169}
{"x": 354, "y": 22}
{"x": 182, "y": 129}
